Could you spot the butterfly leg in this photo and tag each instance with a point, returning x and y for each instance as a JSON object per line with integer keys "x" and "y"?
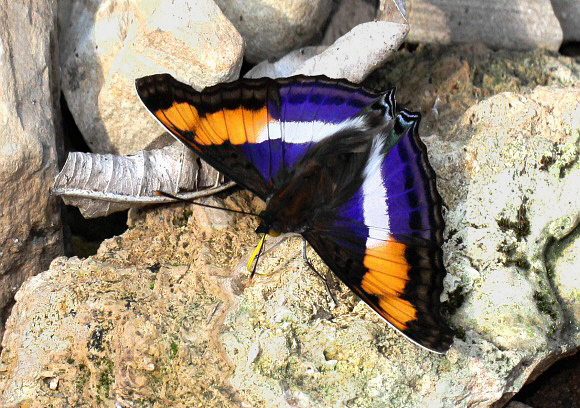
{"x": 316, "y": 272}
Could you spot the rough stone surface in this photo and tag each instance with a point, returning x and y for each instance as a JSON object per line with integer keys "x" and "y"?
{"x": 520, "y": 25}
{"x": 272, "y": 28}
{"x": 106, "y": 45}
{"x": 347, "y": 15}
{"x": 357, "y": 53}
{"x": 286, "y": 65}
{"x": 568, "y": 13}
{"x": 353, "y": 55}
{"x": 30, "y": 235}
{"x": 166, "y": 314}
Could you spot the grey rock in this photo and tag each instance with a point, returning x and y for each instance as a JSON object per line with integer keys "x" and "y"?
{"x": 348, "y": 14}
{"x": 353, "y": 55}
{"x": 272, "y": 28}
{"x": 110, "y": 43}
{"x": 498, "y": 24}
{"x": 568, "y": 13}
{"x": 286, "y": 65}
{"x": 30, "y": 230}
{"x": 517, "y": 404}
{"x": 357, "y": 53}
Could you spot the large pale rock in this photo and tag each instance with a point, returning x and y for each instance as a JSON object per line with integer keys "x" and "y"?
{"x": 568, "y": 13}
{"x": 347, "y": 15}
{"x": 353, "y": 56}
{"x": 519, "y": 24}
{"x": 166, "y": 312}
{"x": 110, "y": 43}
{"x": 358, "y": 45}
{"x": 30, "y": 235}
{"x": 357, "y": 53}
{"x": 272, "y": 28}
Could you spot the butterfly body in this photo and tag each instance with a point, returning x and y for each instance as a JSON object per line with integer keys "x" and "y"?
{"x": 337, "y": 164}
{"x": 325, "y": 178}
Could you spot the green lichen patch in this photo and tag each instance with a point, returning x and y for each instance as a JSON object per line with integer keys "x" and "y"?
{"x": 454, "y": 302}
{"x": 105, "y": 378}
{"x": 545, "y": 305}
{"x": 521, "y": 226}
{"x": 173, "y": 349}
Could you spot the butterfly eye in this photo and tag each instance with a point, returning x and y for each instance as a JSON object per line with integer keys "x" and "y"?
{"x": 273, "y": 232}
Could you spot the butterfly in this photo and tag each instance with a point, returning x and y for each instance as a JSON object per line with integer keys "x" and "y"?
{"x": 336, "y": 163}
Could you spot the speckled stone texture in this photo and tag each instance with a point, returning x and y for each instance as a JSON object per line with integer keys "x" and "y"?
{"x": 166, "y": 313}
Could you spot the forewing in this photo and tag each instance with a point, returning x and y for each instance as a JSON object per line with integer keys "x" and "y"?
{"x": 253, "y": 130}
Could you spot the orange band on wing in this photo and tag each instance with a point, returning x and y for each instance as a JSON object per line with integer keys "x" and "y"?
{"x": 387, "y": 275}
{"x": 388, "y": 259}
{"x": 400, "y": 311}
{"x": 238, "y": 126}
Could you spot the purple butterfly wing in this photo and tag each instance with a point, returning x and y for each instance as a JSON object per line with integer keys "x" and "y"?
{"x": 253, "y": 130}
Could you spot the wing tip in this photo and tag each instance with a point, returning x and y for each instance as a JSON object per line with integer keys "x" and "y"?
{"x": 436, "y": 338}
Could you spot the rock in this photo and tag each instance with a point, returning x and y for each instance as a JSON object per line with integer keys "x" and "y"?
{"x": 353, "y": 56}
{"x": 520, "y": 201}
{"x": 286, "y": 65}
{"x": 272, "y": 28}
{"x": 167, "y": 312}
{"x": 357, "y": 53}
{"x": 30, "y": 230}
{"x": 110, "y": 43}
{"x": 516, "y": 25}
{"x": 517, "y": 404}
{"x": 568, "y": 13}
{"x": 347, "y": 15}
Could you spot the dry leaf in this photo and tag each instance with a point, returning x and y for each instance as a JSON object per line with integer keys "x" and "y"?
{"x": 101, "y": 184}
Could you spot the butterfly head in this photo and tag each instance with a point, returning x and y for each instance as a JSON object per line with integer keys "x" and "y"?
{"x": 268, "y": 227}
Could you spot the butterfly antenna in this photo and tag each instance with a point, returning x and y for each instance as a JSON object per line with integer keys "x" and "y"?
{"x": 316, "y": 272}
{"x": 256, "y": 256}
{"x": 190, "y": 201}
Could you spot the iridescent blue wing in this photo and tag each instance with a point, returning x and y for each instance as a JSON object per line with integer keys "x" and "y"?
{"x": 253, "y": 130}
{"x": 384, "y": 241}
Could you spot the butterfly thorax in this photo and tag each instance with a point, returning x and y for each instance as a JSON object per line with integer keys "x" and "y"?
{"x": 326, "y": 177}
{"x": 317, "y": 187}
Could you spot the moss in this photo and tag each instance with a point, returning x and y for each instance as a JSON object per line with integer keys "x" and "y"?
{"x": 506, "y": 248}
{"x": 152, "y": 283}
{"x": 545, "y": 305}
{"x": 456, "y": 299}
{"x": 106, "y": 378}
{"x": 173, "y": 349}
{"x": 520, "y": 263}
{"x": 460, "y": 333}
{"x": 82, "y": 378}
{"x": 521, "y": 226}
